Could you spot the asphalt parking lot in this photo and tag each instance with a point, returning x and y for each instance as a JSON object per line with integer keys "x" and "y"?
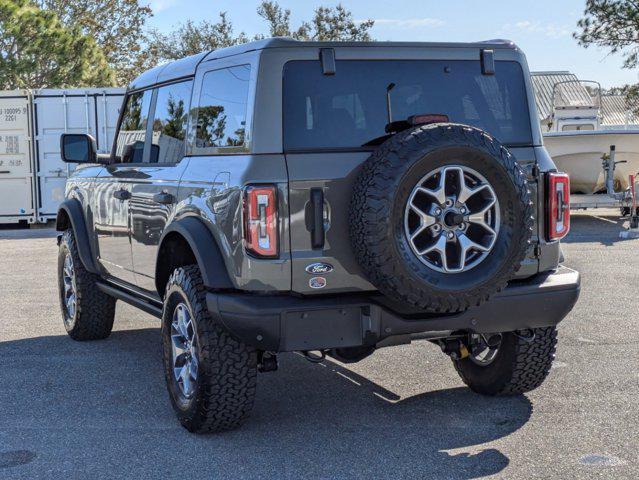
{"x": 100, "y": 410}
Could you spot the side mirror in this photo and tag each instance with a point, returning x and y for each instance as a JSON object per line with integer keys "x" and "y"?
{"x": 78, "y": 148}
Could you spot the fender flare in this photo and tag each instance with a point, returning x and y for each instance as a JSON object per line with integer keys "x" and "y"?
{"x": 206, "y": 250}
{"x": 73, "y": 210}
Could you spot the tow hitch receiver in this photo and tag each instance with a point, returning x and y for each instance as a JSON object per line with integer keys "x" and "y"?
{"x": 266, "y": 362}
{"x": 454, "y": 348}
{"x": 459, "y": 348}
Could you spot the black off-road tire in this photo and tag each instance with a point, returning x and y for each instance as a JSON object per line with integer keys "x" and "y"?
{"x": 521, "y": 364}
{"x": 95, "y": 310}
{"x": 377, "y": 208}
{"x": 227, "y": 368}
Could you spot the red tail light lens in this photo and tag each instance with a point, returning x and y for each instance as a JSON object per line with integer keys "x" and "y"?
{"x": 260, "y": 221}
{"x": 558, "y": 205}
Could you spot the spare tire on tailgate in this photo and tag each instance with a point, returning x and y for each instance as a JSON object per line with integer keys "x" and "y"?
{"x": 441, "y": 217}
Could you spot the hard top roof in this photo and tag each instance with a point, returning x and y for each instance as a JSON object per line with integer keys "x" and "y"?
{"x": 186, "y": 66}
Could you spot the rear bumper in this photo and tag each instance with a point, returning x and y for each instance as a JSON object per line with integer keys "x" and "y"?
{"x": 286, "y": 323}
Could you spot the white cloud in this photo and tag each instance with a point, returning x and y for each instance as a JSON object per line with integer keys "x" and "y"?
{"x": 409, "y": 22}
{"x": 159, "y": 5}
{"x": 551, "y": 30}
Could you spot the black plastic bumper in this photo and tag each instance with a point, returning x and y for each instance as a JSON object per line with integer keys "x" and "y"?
{"x": 286, "y": 323}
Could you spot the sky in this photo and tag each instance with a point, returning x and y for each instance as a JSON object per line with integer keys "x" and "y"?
{"x": 542, "y": 28}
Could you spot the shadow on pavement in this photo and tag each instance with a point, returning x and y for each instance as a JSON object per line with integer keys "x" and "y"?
{"x": 26, "y": 233}
{"x": 592, "y": 227}
{"x": 101, "y": 407}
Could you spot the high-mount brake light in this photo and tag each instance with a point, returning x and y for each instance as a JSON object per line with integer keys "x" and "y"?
{"x": 428, "y": 118}
{"x": 261, "y": 221}
{"x": 558, "y": 206}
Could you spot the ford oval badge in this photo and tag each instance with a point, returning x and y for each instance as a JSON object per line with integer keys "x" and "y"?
{"x": 319, "y": 268}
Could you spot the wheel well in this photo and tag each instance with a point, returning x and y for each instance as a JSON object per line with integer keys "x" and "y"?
{"x": 62, "y": 221}
{"x": 174, "y": 252}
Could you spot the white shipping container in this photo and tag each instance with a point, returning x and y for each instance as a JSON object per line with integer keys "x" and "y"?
{"x": 32, "y": 173}
{"x": 16, "y": 170}
{"x": 92, "y": 111}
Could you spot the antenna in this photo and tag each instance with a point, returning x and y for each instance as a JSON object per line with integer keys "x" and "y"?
{"x": 388, "y": 102}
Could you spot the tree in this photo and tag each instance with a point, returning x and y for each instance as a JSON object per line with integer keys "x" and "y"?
{"x": 115, "y": 25}
{"x": 176, "y": 121}
{"x": 327, "y": 24}
{"x": 614, "y": 25}
{"x": 611, "y": 24}
{"x": 191, "y": 38}
{"x": 38, "y": 51}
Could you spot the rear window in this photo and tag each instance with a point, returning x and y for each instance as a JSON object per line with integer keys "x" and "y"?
{"x": 348, "y": 110}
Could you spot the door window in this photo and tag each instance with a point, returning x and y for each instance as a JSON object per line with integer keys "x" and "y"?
{"x": 221, "y": 118}
{"x": 132, "y": 132}
{"x": 169, "y": 123}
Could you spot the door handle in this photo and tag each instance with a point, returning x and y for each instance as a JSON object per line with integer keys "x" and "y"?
{"x": 122, "y": 194}
{"x": 317, "y": 218}
{"x": 164, "y": 198}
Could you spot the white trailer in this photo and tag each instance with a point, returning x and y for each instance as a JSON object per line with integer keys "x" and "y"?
{"x": 16, "y": 168}
{"x": 93, "y": 111}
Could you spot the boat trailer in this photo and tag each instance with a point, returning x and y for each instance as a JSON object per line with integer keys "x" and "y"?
{"x": 625, "y": 200}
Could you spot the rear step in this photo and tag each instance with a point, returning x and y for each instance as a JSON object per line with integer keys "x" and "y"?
{"x": 148, "y": 306}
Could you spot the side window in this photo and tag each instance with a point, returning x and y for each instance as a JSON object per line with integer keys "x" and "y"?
{"x": 169, "y": 122}
{"x": 132, "y": 132}
{"x": 221, "y": 116}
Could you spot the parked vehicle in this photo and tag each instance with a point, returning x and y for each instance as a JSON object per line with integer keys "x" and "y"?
{"x": 326, "y": 198}
{"x": 32, "y": 174}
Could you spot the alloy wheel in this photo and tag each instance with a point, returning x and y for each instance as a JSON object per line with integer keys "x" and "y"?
{"x": 451, "y": 219}
{"x": 70, "y": 288}
{"x": 184, "y": 350}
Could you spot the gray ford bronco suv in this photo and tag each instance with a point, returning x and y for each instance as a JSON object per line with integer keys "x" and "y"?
{"x": 323, "y": 198}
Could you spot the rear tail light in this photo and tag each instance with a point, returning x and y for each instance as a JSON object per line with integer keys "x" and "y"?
{"x": 260, "y": 221}
{"x": 558, "y": 205}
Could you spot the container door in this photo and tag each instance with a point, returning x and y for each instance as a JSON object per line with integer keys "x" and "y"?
{"x": 56, "y": 115}
{"x": 16, "y": 199}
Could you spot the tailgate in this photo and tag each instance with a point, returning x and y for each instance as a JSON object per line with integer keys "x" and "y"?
{"x": 333, "y": 175}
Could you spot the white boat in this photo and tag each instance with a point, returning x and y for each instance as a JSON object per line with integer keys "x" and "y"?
{"x": 577, "y": 136}
{"x": 580, "y": 153}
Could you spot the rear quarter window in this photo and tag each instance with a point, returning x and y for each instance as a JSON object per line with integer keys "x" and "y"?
{"x": 348, "y": 110}
{"x": 221, "y": 114}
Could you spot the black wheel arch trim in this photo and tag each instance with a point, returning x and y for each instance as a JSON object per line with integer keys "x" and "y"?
{"x": 205, "y": 249}
{"x": 73, "y": 210}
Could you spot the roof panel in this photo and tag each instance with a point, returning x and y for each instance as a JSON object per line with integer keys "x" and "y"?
{"x": 187, "y": 66}
{"x": 184, "y": 67}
